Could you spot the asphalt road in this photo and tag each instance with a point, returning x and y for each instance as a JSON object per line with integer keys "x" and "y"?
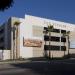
{"x": 54, "y": 67}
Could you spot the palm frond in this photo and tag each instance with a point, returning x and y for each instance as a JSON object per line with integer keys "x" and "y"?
{"x": 68, "y": 32}
{"x": 16, "y": 23}
{"x": 50, "y": 28}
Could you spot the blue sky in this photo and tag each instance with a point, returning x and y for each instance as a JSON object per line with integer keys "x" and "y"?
{"x": 62, "y": 10}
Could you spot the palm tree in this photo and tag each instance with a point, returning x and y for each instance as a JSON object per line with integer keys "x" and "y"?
{"x": 50, "y": 28}
{"x": 64, "y": 35}
{"x": 67, "y": 34}
{"x": 45, "y": 32}
{"x": 17, "y": 23}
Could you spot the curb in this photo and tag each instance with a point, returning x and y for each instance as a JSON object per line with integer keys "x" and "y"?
{"x": 13, "y": 62}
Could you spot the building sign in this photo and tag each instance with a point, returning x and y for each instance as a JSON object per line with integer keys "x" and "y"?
{"x": 55, "y": 24}
{"x": 32, "y": 43}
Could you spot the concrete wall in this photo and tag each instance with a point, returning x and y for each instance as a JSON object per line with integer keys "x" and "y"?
{"x": 25, "y": 32}
{"x": 4, "y": 54}
{"x": 32, "y": 28}
{"x": 45, "y": 22}
{"x": 37, "y": 24}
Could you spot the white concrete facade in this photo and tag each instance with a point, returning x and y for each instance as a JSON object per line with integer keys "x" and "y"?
{"x": 26, "y": 32}
{"x": 31, "y": 27}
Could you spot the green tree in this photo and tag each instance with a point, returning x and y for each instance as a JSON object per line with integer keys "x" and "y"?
{"x": 5, "y": 4}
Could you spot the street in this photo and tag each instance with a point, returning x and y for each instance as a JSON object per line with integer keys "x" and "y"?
{"x": 53, "y": 67}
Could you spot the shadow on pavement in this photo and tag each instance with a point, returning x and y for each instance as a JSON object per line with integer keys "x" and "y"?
{"x": 48, "y": 67}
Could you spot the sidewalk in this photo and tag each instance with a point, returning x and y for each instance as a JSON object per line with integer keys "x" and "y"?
{"x": 13, "y": 61}
{"x": 23, "y": 60}
{"x": 41, "y": 59}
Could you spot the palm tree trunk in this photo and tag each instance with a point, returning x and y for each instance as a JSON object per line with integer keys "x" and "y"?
{"x": 49, "y": 44}
{"x": 16, "y": 42}
{"x": 14, "y": 49}
{"x": 2, "y": 54}
{"x": 64, "y": 44}
{"x": 68, "y": 45}
{"x": 14, "y": 45}
{"x": 45, "y": 51}
{"x": 64, "y": 50}
{"x": 46, "y": 54}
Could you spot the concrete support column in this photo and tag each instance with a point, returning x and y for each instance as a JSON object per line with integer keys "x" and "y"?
{"x": 11, "y": 51}
{"x": 17, "y": 42}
